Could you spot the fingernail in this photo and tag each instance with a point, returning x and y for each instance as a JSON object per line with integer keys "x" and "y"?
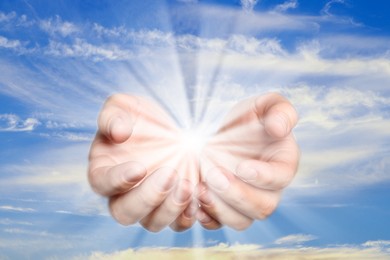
{"x": 217, "y": 180}
{"x": 202, "y": 217}
{"x": 183, "y": 192}
{"x": 165, "y": 180}
{"x": 191, "y": 210}
{"x": 247, "y": 174}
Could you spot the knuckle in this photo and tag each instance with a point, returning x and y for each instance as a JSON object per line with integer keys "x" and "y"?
{"x": 275, "y": 95}
{"x": 117, "y": 97}
{"x": 267, "y": 180}
{"x": 241, "y": 225}
{"x": 152, "y": 228}
{"x": 181, "y": 223}
{"x": 119, "y": 216}
{"x": 151, "y": 201}
{"x": 286, "y": 181}
{"x": 287, "y": 176}
{"x": 180, "y": 227}
{"x": 267, "y": 208}
{"x": 93, "y": 182}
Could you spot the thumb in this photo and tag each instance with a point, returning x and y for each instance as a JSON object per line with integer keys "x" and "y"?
{"x": 117, "y": 117}
{"x": 277, "y": 114}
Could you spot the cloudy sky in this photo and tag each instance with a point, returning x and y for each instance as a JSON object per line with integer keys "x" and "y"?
{"x": 59, "y": 61}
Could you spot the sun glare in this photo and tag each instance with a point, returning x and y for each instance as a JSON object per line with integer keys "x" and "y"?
{"x": 193, "y": 140}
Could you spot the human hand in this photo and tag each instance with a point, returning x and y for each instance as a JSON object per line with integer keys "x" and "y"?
{"x": 138, "y": 161}
{"x": 249, "y": 161}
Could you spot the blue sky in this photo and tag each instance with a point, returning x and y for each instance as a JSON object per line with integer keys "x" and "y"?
{"x": 59, "y": 61}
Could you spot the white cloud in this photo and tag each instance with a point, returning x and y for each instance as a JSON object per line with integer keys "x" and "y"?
{"x": 43, "y": 175}
{"x": 378, "y": 243}
{"x": 55, "y": 26}
{"x": 7, "y": 17}
{"x": 9, "y": 222}
{"x": 295, "y": 239}
{"x": 58, "y": 176}
{"x": 338, "y": 105}
{"x": 83, "y": 49}
{"x": 102, "y": 31}
{"x": 342, "y": 46}
{"x": 17, "y": 209}
{"x": 69, "y": 136}
{"x": 24, "y": 21}
{"x": 342, "y": 133}
{"x": 12, "y": 123}
{"x": 67, "y": 212}
{"x": 9, "y": 44}
{"x": 251, "y": 46}
{"x": 248, "y": 5}
{"x": 328, "y": 6}
{"x": 291, "y": 4}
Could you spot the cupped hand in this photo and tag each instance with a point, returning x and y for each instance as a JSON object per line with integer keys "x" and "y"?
{"x": 247, "y": 163}
{"x": 138, "y": 161}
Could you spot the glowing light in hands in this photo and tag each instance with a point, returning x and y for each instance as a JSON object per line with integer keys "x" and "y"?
{"x": 193, "y": 140}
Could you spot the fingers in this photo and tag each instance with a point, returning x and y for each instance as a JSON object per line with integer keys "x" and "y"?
{"x": 139, "y": 202}
{"x": 207, "y": 221}
{"x": 218, "y": 211}
{"x": 251, "y": 202}
{"x": 277, "y": 113}
{"x": 118, "y": 116}
{"x": 266, "y": 175}
{"x": 109, "y": 181}
{"x": 171, "y": 208}
{"x": 275, "y": 174}
{"x": 186, "y": 219}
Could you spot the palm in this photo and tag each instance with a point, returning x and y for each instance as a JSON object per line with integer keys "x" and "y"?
{"x": 154, "y": 143}
{"x": 243, "y": 137}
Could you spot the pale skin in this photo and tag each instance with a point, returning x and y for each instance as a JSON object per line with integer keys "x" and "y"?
{"x": 138, "y": 161}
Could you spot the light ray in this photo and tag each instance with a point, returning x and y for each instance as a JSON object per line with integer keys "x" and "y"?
{"x": 212, "y": 83}
{"x": 307, "y": 219}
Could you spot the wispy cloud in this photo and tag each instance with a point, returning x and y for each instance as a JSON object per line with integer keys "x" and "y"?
{"x": 7, "y": 17}
{"x": 82, "y": 49}
{"x": 56, "y": 26}
{"x": 43, "y": 175}
{"x": 291, "y": 4}
{"x": 328, "y": 6}
{"x": 16, "y": 209}
{"x": 248, "y": 5}
{"x": 69, "y": 136}
{"x": 12, "y": 123}
{"x": 9, "y": 44}
{"x": 295, "y": 239}
{"x": 9, "y": 222}
{"x": 378, "y": 243}
{"x": 339, "y": 105}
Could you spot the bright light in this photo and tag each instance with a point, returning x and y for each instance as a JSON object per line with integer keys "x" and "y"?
{"x": 193, "y": 140}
